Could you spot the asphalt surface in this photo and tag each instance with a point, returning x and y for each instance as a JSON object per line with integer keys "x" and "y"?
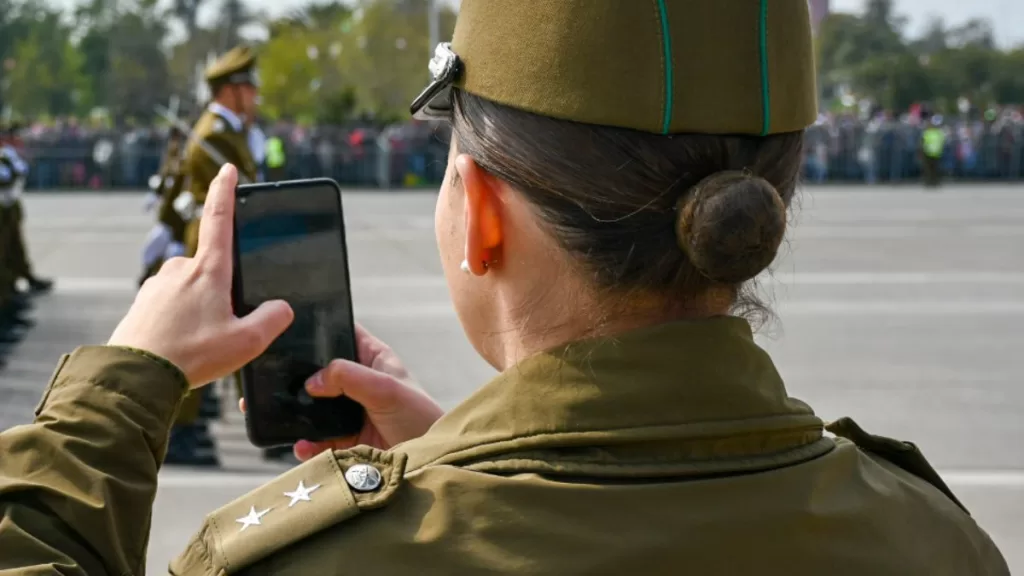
{"x": 901, "y": 308}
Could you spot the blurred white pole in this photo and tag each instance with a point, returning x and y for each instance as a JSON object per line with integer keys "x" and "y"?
{"x": 433, "y": 16}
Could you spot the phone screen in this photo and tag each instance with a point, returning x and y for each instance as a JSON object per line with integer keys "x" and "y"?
{"x": 290, "y": 245}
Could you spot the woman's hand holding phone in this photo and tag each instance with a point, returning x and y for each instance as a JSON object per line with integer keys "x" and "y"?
{"x": 396, "y": 409}
{"x": 184, "y": 313}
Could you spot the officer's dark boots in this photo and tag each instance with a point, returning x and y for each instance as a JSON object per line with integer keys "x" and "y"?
{"x": 39, "y": 285}
{"x": 210, "y": 408}
{"x": 13, "y": 322}
{"x": 191, "y": 445}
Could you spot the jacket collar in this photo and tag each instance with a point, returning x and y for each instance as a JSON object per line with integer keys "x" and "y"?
{"x": 684, "y": 391}
{"x": 228, "y": 115}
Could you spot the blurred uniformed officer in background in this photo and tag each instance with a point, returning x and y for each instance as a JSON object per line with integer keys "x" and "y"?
{"x": 12, "y": 303}
{"x": 221, "y": 135}
{"x": 619, "y": 171}
{"x": 18, "y": 258}
{"x": 14, "y": 263}
{"x": 167, "y": 239}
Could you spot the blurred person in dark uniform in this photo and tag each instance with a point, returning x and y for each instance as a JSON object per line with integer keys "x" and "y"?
{"x": 13, "y": 303}
{"x": 14, "y": 265}
{"x": 17, "y": 257}
{"x": 167, "y": 239}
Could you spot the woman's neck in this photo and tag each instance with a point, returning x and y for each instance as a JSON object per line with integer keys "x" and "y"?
{"x": 569, "y": 315}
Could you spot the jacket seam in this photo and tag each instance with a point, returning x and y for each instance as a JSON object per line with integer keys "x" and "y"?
{"x": 796, "y": 455}
{"x": 434, "y": 461}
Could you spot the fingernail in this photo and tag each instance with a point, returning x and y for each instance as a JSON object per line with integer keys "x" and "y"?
{"x": 315, "y": 383}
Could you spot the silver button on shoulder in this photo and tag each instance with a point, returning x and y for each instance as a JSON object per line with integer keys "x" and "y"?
{"x": 363, "y": 478}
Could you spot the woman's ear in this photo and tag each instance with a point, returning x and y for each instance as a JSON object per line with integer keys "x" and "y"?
{"x": 483, "y": 215}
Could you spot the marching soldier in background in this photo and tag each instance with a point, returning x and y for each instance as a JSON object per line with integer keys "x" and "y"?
{"x": 17, "y": 255}
{"x": 13, "y": 260}
{"x": 10, "y": 311}
{"x": 167, "y": 239}
{"x": 8, "y": 315}
{"x": 221, "y": 135}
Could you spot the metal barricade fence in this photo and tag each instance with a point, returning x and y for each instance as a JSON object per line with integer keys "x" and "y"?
{"x": 854, "y": 154}
{"x": 849, "y": 156}
{"x": 372, "y": 166}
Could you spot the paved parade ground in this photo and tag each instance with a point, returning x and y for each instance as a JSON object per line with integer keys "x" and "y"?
{"x": 899, "y": 307}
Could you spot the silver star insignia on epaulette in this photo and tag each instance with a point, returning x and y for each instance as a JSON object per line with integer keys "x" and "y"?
{"x": 252, "y": 518}
{"x": 301, "y": 494}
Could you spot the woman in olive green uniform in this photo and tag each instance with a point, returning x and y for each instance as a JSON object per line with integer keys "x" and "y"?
{"x": 618, "y": 172}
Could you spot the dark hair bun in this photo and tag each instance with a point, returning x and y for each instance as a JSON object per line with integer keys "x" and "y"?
{"x": 730, "y": 225}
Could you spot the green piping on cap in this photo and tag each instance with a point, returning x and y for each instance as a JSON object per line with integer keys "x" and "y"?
{"x": 766, "y": 97}
{"x": 666, "y": 41}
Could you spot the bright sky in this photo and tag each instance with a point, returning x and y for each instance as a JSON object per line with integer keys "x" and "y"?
{"x": 1006, "y": 15}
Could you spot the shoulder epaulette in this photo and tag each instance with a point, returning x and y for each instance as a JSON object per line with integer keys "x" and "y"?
{"x": 905, "y": 455}
{"x": 322, "y": 492}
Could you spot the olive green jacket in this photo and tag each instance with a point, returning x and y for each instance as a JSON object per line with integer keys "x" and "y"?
{"x": 670, "y": 450}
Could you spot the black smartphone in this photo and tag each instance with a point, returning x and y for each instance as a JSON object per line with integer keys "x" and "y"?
{"x": 290, "y": 245}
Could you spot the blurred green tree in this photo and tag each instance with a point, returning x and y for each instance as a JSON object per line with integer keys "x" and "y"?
{"x": 868, "y": 56}
{"x": 43, "y": 67}
{"x": 330, "y": 62}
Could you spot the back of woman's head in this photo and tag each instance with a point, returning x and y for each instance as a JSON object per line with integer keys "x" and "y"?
{"x": 641, "y": 213}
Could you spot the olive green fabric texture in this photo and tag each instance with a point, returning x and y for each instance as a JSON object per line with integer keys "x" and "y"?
{"x": 664, "y": 66}
{"x": 673, "y": 449}
{"x": 77, "y": 485}
{"x": 238, "y": 59}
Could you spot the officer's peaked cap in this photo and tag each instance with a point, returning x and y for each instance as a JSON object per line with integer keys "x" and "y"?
{"x": 237, "y": 66}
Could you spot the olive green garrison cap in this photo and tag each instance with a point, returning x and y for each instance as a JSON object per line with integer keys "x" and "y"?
{"x": 662, "y": 66}
{"x": 236, "y": 66}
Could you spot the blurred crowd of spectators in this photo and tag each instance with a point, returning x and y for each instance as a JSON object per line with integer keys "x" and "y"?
{"x": 66, "y": 154}
{"x": 840, "y": 148}
{"x": 887, "y": 148}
